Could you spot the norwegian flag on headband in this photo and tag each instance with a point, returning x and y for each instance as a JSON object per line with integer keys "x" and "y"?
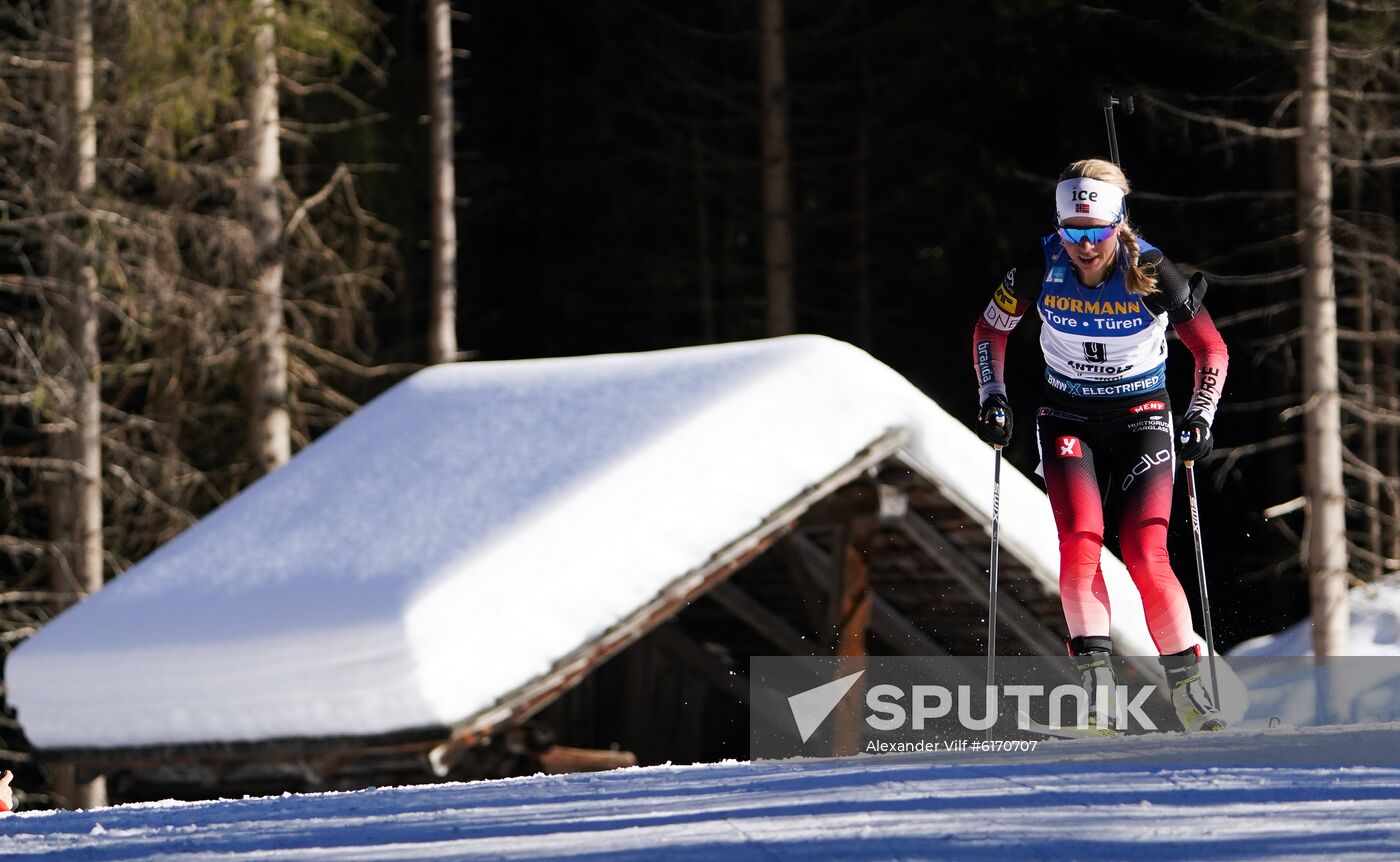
{"x": 1083, "y": 196}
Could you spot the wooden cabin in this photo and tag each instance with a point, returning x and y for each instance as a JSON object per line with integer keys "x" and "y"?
{"x": 882, "y": 550}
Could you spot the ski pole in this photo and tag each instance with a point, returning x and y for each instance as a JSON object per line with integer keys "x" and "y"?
{"x": 1108, "y": 98}
{"x": 1201, "y": 576}
{"x": 992, "y": 583}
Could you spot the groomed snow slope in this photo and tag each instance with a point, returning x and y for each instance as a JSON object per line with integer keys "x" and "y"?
{"x": 1325, "y": 794}
{"x": 455, "y": 537}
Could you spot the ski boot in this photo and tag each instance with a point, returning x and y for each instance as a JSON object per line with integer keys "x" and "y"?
{"x": 1093, "y": 658}
{"x": 1192, "y": 701}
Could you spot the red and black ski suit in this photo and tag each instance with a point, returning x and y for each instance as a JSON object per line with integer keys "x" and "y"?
{"x": 1104, "y": 424}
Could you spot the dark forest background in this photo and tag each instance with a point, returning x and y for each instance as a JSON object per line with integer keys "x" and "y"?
{"x": 579, "y": 129}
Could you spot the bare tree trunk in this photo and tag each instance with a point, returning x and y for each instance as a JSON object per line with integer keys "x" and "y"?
{"x": 271, "y": 422}
{"x": 442, "y": 301}
{"x": 87, "y": 528}
{"x": 777, "y": 172}
{"x": 88, "y": 531}
{"x": 83, "y": 533}
{"x": 1326, "y": 555}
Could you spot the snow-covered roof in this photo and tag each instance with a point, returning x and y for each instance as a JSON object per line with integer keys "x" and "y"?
{"x": 457, "y": 536}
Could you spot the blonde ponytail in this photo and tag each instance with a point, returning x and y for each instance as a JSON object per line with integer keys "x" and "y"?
{"x": 1140, "y": 279}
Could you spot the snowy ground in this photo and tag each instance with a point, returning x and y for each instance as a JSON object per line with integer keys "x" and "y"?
{"x": 1297, "y": 794}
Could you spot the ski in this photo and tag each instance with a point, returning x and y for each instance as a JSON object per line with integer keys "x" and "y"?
{"x": 1027, "y": 723}
{"x": 1031, "y": 725}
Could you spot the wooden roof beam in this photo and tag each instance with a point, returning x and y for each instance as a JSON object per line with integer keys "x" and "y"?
{"x": 1026, "y": 625}
{"x": 888, "y": 623}
{"x": 705, "y": 664}
{"x": 772, "y": 627}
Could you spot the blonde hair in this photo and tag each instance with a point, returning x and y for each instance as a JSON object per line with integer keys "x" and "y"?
{"x": 1140, "y": 278}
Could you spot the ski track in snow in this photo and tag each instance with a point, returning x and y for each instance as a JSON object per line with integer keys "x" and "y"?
{"x": 1071, "y": 799}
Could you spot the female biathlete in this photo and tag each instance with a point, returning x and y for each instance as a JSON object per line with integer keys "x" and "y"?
{"x": 1105, "y": 297}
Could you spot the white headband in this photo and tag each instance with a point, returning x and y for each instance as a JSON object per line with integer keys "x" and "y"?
{"x": 1088, "y": 198}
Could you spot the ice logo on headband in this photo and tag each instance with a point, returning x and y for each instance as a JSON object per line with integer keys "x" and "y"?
{"x": 1083, "y": 197}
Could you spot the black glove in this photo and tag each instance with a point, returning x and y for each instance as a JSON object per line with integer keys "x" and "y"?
{"x": 994, "y": 421}
{"x": 1194, "y": 441}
